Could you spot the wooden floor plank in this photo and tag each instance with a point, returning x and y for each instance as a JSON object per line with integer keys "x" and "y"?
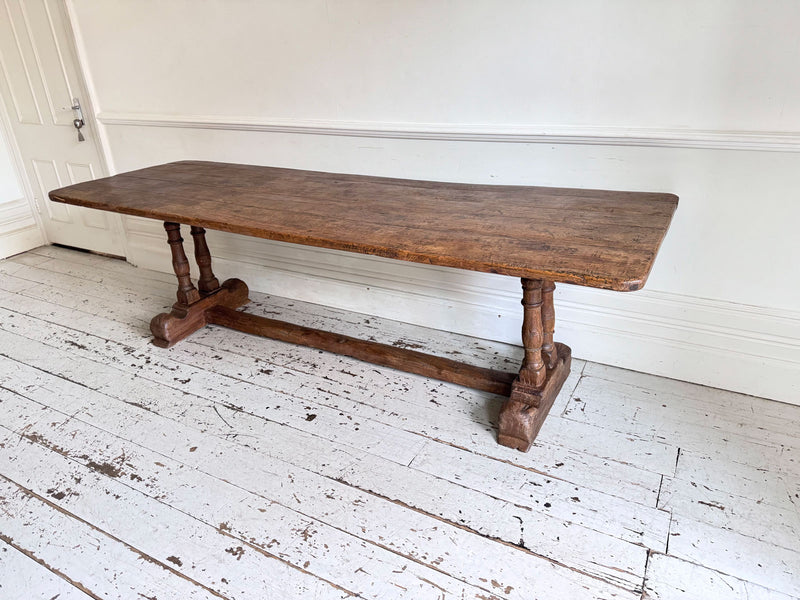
{"x": 669, "y": 417}
{"x": 692, "y": 395}
{"x": 773, "y": 487}
{"x": 221, "y": 563}
{"x": 24, "y": 578}
{"x": 731, "y": 553}
{"x": 326, "y": 551}
{"x": 764, "y": 521}
{"x": 541, "y": 492}
{"x": 94, "y": 561}
{"x": 272, "y": 441}
{"x": 670, "y": 578}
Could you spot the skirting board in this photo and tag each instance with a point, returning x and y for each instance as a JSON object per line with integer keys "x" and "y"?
{"x": 748, "y": 349}
{"x": 20, "y": 240}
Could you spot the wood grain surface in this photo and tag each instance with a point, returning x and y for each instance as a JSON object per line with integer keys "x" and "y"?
{"x": 603, "y": 239}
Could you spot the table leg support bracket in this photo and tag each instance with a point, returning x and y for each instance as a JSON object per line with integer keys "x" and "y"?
{"x": 183, "y": 320}
{"x": 523, "y": 414}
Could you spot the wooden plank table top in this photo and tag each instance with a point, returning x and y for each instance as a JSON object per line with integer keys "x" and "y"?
{"x": 596, "y": 238}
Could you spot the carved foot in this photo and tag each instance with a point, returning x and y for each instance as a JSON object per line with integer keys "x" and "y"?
{"x": 184, "y": 319}
{"x": 523, "y": 414}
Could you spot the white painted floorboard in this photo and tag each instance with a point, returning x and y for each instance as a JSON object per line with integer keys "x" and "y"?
{"x": 238, "y": 467}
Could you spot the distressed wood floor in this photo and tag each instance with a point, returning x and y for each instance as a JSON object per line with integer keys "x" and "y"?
{"x": 237, "y": 467}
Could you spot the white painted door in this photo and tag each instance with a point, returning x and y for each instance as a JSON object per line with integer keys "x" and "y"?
{"x": 39, "y": 79}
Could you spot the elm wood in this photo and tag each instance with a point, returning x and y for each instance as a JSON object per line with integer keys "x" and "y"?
{"x": 206, "y": 283}
{"x": 589, "y": 237}
{"x": 548, "y": 324}
{"x": 183, "y": 320}
{"x": 522, "y": 415}
{"x": 532, "y": 372}
{"x": 404, "y": 359}
{"x": 187, "y": 293}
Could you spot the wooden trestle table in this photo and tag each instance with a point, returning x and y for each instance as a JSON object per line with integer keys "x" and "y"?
{"x": 601, "y": 239}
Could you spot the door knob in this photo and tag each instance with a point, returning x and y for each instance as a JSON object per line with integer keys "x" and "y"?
{"x": 78, "y": 122}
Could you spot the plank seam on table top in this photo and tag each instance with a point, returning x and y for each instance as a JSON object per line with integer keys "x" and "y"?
{"x": 253, "y": 193}
{"x": 305, "y": 199}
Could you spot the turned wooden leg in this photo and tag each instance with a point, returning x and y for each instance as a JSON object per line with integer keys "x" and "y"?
{"x": 549, "y": 324}
{"x": 537, "y": 385}
{"x": 188, "y": 314}
{"x": 187, "y": 293}
{"x": 207, "y": 283}
{"x": 532, "y": 373}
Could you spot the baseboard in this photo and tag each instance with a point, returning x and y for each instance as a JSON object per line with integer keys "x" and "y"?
{"x": 748, "y": 349}
{"x": 15, "y": 215}
{"x": 21, "y": 240}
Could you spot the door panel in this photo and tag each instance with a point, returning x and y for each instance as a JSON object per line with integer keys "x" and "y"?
{"x": 38, "y": 81}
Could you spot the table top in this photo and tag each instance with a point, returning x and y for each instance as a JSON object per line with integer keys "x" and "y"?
{"x": 596, "y": 238}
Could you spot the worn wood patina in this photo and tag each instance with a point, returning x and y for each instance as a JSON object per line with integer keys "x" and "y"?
{"x": 596, "y": 238}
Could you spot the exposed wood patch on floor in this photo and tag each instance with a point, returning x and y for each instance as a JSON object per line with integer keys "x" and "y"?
{"x": 238, "y": 467}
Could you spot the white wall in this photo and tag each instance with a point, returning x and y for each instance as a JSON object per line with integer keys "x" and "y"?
{"x": 19, "y": 230}
{"x": 698, "y": 98}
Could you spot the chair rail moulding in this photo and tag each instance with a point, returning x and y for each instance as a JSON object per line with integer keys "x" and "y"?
{"x": 771, "y": 141}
